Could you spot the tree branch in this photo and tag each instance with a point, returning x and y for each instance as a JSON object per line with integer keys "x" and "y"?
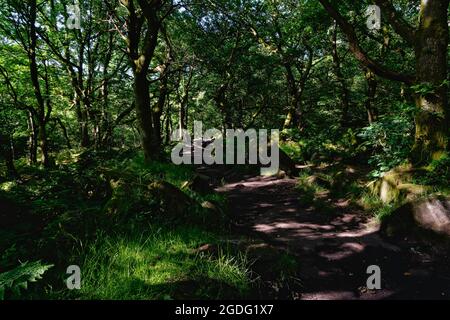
{"x": 359, "y": 53}
{"x": 400, "y": 26}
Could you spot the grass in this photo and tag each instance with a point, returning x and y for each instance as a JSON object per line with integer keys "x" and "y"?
{"x": 312, "y": 193}
{"x": 160, "y": 264}
{"x": 144, "y": 257}
{"x": 334, "y": 181}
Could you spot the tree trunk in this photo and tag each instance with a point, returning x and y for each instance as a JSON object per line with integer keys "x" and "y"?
{"x": 41, "y": 114}
{"x": 32, "y": 140}
{"x": 182, "y": 118}
{"x": 84, "y": 129}
{"x": 432, "y": 121}
{"x": 430, "y": 42}
{"x": 106, "y": 126}
{"x": 157, "y": 112}
{"x": 168, "y": 123}
{"x": 140, "y": 54}
{"x": 370, "y": 99}
{"x": 64, "y": 130}
{"x": 6, "y": 149}
{"x": 220, "y": 99}
{"x": 43, "y": 144}
{"x": 144, "y": 114}
{"x": 345, "y": 94}
{"x": 292, "y": 119}
{"x": 183, "y": 112}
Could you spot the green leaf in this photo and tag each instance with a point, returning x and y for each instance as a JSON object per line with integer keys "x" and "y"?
{"x": 18, "y": 278}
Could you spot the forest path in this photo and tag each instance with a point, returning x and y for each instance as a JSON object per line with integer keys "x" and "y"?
{"x": 334, "y": 249}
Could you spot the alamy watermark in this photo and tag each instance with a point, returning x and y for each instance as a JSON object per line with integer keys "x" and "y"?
{"x": 74, "y": 280}
{"x": 74, "y": 18}
{"x": 374, "y": 280}
{"x": 373, "y": 14}
{"x": 237, "y": 147}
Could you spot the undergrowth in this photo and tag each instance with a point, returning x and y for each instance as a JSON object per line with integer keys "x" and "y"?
{"x": 130, "y": 241}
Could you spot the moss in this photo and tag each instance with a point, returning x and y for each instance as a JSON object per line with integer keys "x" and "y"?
{"x": 397, "y": 185}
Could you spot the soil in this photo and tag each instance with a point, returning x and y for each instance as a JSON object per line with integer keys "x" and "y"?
{"x": 333, "y": 249}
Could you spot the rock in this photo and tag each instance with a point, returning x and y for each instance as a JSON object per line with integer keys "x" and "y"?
{"x": 207, "y": 249}
{"x": 431, "y": 215}
{"x": 174, "y": 201}
{"x": 262, "y": 253}
{"x": 411, "y": 190}
{"x": 201, "y": 184}
{"x": 287, "y": 164}
{"x": 117, "y": 206}
{"x": 396, "y": 185}
{"x": 281, "y": 174}
{"x": 215, "y": 214}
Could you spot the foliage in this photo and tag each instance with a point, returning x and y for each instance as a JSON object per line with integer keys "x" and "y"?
{"x": 15, "y": 280}
{"x": 75, "y": 219}
{"x": 78, "y": 107}
{"x": 437, "y": 173}
{"x": 390, "y": 138}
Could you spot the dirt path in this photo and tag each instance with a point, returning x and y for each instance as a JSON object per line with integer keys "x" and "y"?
{"x": 333, "y": 249}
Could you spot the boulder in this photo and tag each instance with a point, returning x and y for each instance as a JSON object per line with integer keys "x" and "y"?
{"x": 173, "y": 201}
{"x": 214, "y": 213}
{"x": 397, "y": 185}
{"x": 287, "y": 164}
{"x": 431, "y": 215}
{"x": 201, "y": 184}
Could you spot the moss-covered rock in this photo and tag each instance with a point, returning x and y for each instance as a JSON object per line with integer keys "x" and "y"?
{"x": 397, "y": 185}
{"x": 173, "y": 202}
{"x": 420, "y": 217}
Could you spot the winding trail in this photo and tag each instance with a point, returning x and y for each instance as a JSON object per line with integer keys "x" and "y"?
{"x": 334, "y": 249}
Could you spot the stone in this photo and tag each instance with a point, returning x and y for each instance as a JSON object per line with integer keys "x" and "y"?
{"x": 431, "y": 215}
{"x": 174, "y": 201}
{"x": 396, "y": 185}
{"x": 207, "y": 249}
{"x": 214, "y": 213}
{"x": 201, "y": 184}
{"x": 287, "y": 164}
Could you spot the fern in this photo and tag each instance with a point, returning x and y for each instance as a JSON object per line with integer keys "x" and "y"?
{"x": 18, "y": 278}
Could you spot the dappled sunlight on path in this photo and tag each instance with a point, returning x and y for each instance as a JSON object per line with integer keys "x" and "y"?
{"x": 334, "y": 248}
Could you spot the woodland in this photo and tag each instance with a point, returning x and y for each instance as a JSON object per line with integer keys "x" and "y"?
{"x": 92, "y": 91}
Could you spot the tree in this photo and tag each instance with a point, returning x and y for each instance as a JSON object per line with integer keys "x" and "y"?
{"x": 429, "y": 41}
{"x": 22, "y": 25}
{"x": 143, "y": 23}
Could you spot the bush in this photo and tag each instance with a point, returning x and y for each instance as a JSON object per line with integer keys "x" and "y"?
{"x": 390, "y": 138}
{"x": 437, "y": 173}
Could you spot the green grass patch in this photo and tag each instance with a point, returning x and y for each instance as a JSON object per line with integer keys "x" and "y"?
{"x": 160, "y": 264}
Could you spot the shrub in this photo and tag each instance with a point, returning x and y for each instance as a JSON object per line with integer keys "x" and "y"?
{"x": 390, "y": 138}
